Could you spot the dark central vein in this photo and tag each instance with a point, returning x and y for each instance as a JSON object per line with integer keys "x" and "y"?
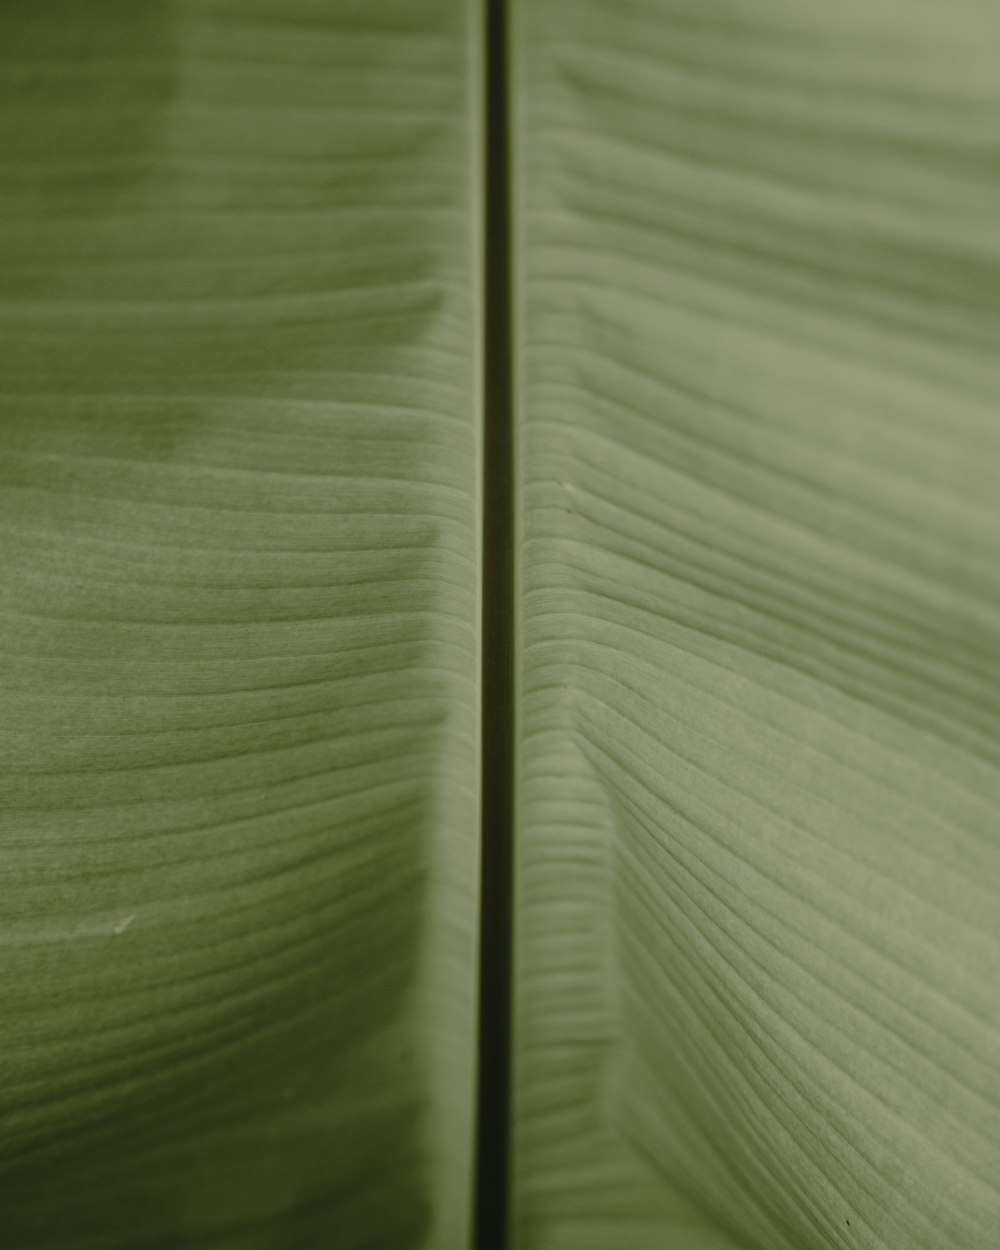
{"x": 496, "y": 883}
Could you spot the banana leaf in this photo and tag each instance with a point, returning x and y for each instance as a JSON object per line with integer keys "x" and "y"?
{"x": 759, "y": 817}
{"x": 726, "y": 276}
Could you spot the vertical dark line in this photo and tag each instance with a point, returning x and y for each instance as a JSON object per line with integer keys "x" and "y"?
{"x": 496, "y": 884}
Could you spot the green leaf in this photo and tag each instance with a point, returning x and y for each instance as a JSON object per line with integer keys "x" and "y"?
{"x": 759, "y": 932}
{"x": 239, "y": 643}
{"x": 243, "y": 348}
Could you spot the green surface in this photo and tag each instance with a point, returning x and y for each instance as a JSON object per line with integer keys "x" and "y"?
{"x": 759, "y": 830}
{"x": 756, "y": 312}
{"x": 238, "y": 576}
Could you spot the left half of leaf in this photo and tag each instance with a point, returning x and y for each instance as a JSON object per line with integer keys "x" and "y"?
{"x": 238, "y": 623}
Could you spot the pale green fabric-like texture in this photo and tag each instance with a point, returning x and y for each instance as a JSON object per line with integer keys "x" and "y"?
{"x": 238, "y": 579}
{"x": 758, "y": 852}
{"x": 756, "y": 249}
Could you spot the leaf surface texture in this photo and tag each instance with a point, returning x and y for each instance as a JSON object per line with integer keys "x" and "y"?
{"x": 758, "y": 864}
{"x": 238, "y": 582}
{"x": 757, "y": 943}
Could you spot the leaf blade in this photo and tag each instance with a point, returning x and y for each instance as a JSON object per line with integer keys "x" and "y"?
{"x": 757, "y": 870}
{"x": 240, "y": 583}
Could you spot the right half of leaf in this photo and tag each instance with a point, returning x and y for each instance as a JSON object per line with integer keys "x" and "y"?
{"x": 758, "y": 856}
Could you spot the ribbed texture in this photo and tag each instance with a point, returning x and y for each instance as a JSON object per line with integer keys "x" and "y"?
{"x": 239, "y": 261}
{"x": 758, "y": 852}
